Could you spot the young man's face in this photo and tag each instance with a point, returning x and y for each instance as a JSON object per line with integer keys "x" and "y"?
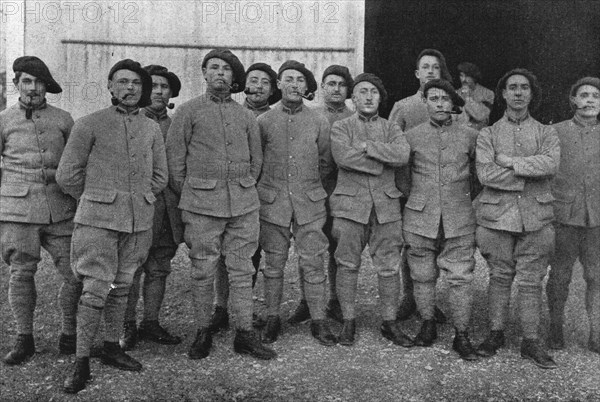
{"x": 218, "y": 75}
{"x": 32, "y": 90}
{"x": 292, "y": 84}
{"x": 586, "y": 101}
{"x": 439, "y": 104}
{"x": 335, "y": 89}
{"x": 366, "y": 98}
{"x": 517, "y": 93}
{"x": 126, "y": 86}
{"x": 161, "y": 92}
{"x": 259, "y": 84}
{"x": 428, "y": 69}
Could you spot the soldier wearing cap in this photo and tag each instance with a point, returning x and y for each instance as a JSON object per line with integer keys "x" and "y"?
{"x": 516, "y": 160}
{"x": 34, "y": 212}
{"x": 439, "y": 221}
{"x": 115, "y": 165}
{"x": 297, "y": 159}
{"x": 478, "y": 99}
{"x": 335, "y": 85}
{"x": 215, "y": 157}
{"x": 576, "y": 188}
{"x": 261, "y": 92}
{"x": 167, "y": 231}
{"x": 365, "y": 205}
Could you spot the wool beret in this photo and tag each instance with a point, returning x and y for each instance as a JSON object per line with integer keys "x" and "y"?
{"x": 276, "y": 97}
{"x": 446, "y": 86}
{"x": 375, "y": 80}
{"x": 36, "y": 67}
{"x": 173, "y": 80}
{"x": 239, "y": 75}
{"x": 445, "y": 73}
{"x": 296, "y": 65}
{"x": 341, "y": 71}
{"x": 593, "y": 81}
{"x": 470, "y": 70}
{"x": 128, "y": 64}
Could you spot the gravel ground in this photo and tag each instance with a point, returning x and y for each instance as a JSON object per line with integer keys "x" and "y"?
{"x": 373, "y": 370}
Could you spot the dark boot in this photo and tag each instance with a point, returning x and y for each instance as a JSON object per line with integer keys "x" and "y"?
{"x": 81, "y": 375}
{"x": 152, "y": 331}
{"x": 23, "y": 350}
{"x": 248, "y": 342}
{"x": 407, "y": 308}
{"x": 219, "y": 320}
{"x": 491, "y": 344}
{"x": 347, "y": 335}
{"x": 130, "y": 335}
{"x": 439, "y": 316}
{"x": 114, "y": 356}
{"x": 427, "y": 334}
{"x": 531, "y": 349}
{"x": 301, "y": 314}
{"x": 462, "y": 345}
{"x": 272, "y": 329}
{"x": 67, "y": 344}
{"x": 334, "y": 310}
{"x": 391, "y": 330}
{"x": 202, "y": 344}
{"x": 556, "y": 339}
{"x": 321, "y": 332}
{"x": 258, "y": 321}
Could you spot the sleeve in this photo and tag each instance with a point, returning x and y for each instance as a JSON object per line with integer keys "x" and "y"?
{"x": 478, "y": 111}
{"x": 70, "y": 174}
{"x": 474, "y": 184}
{"x": 326, "y": 164}
{"x": 396, "y": 116}
{"x": 178, "y": 138}
{"x": 160, "y": 175}
{"x": 545, "y": 162}
{"x": 349, "y": 157}
{"x": 256, "y": 150}
{"x": 489, "y": 173}
{"x": 394, "y": 153}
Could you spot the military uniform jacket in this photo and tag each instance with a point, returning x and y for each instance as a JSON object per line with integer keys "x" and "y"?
{"x": 256, "y": 111}
{"x": 31, "y": 150}
{"x": 441, "y": 166}
{"x": 576, "y": 186}
{"x": 478, "y": 107}
{"x": 214, "y": 157}
{"x": 297, "y": 157}
{"x": 366, "y": 177}
{"x": 518, "y": 199}
{"x": 115, "y": 164}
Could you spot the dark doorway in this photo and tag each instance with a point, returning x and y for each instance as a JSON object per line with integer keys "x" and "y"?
{"x": 558, "y": 40}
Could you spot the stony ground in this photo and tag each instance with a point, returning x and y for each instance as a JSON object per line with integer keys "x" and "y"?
{"x": 373, "y": 370}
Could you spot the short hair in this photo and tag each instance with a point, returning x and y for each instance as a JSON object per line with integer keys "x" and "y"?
{"x": 470, "y": 70}
{"x": 18, "y": 75}
{"x": 445, "y": 73}
{"x": 536, "y": 90}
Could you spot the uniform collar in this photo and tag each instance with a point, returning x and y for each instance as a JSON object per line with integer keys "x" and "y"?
{"x": 162, "y": 115}
{"x": 516, "y": 121}
{"x": 332, "y": 108}
{"x": 447, "y": 123}
{"x": 42, "y": 105}
{"x": 122, "y": 110}
{"x": 218, "y": 99}
{"x": 367, "y": 119}
{"x": 262, "y": 108}
{"x": 288, "y": 110}
{"x": 580, "y": 123}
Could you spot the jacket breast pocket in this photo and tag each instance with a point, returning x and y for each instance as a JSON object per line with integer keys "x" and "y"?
{"x": 100, "y": 196}
{"x": 316, "y": 194}
{"x": 488, "y": 207}
{"x": 266, "y": 195}
{"x": 345, "y": 190}
{"x": 393, "y": 192}
{"x": 546, "y": 210}
{"x": 416, "y": 203}
{"x": 14, "y": 191}
{"x": 202, "y": 184}
{"x": 246, "y": 182}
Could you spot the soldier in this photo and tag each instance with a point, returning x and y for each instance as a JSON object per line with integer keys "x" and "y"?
{"x": 516, "y": 160}
{"x": 439, "y": 222}
{"x": 215, "y": 158}
{"x": 576, "y": 188}
{"x": 167, "y": 232}
{"x": 478, "y": 99}
{"x": 34, "y": 212}
{"x": 365, "y": 205}
{"x": 408, "y": 113}
{"x": 115, "y": 165}
{"x": 335, "y": 84}
{"x": 297, "y": 159}
{"x": 261, "y": 92}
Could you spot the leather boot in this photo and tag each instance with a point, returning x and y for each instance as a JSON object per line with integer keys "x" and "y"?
{"x": 301, "y": 314}
{"x": 23, "y": 350}
{"x": 272, "y": 329}
{"x": 114, "y": 356}
{"x": 531, "y": 349}
{"x": 334, "y": 310}
{"x": 347, "y": 334}
{"x": 462, "y": 345}
{"x": 219, "y": 320}
{"x": 67, "y": 344}
{"x": 391, "y": 330}
{"x": 321, "y": 332}
{"x": 152, "y": 331}
{"x": 248, "y": 342}
{"x": 556, "y": 338}
{"x": 427, "y": 334}
{"x": 81, "y": 375}
{"x": 407, "y": 308}
{"x": 491, "y": 344}
{"x": 130, "y": 335}
{"x": 202, "y": 344}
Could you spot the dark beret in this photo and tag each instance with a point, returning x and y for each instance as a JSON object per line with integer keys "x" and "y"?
{"x": 470, "y": 70}
{"x": 128, "y": 64}
{"x": 36, "y": 67}
{"x": 446, "y": 86}
{"x": 173, "y": 80}
{"x": 341, "y": 71}
{"x": 276, "y": 97}
{"x": 375, "y": 80}
{"x": 296, "y": 65}
{"x": 239, "y": 75}
{"x": 593, "y": 81}
{"x": 445, "y": 73}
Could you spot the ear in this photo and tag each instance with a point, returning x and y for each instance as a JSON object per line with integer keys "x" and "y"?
{"x": 279, "y": 84}
{"x": 417, "y": 74}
